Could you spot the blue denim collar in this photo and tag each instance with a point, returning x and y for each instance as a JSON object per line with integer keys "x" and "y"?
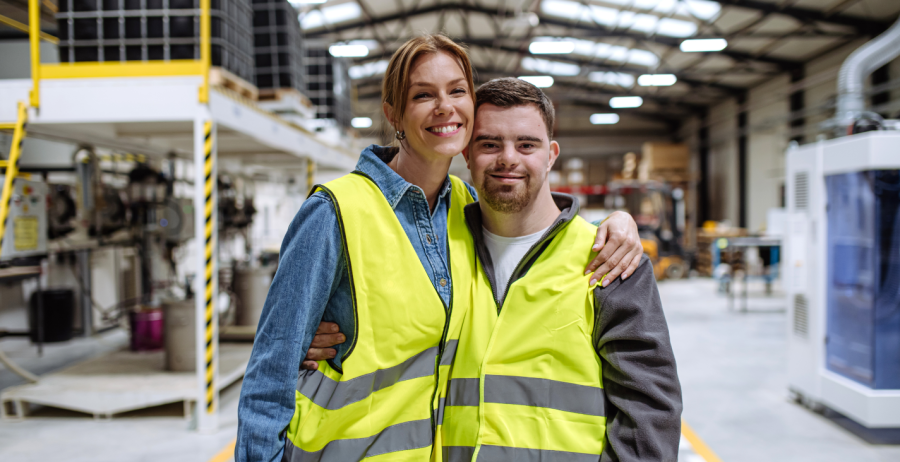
{"x": 393, "y": 186}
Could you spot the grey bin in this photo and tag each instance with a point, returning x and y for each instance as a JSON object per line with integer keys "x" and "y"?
{"x": 180, "y": 335}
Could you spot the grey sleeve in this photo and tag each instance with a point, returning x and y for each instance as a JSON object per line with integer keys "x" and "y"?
{"x": 639, "y": 374}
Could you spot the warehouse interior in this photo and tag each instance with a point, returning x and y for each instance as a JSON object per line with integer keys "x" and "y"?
{"x": 153, "y": 154}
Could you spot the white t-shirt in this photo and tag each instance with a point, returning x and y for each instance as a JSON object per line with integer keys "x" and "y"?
{"x": 506, "y": 253}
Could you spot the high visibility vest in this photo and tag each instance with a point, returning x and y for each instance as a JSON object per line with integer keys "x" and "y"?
{"x": 526, "y": 384}
{"x": 380, "y": 404}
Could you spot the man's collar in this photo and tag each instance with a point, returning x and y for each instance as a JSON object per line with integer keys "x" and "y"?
{"x": 567, "y": 204}
{"x": 373, "y": 162}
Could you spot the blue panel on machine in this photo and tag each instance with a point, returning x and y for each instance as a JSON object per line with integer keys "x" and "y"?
{"x": 863, "y": 291}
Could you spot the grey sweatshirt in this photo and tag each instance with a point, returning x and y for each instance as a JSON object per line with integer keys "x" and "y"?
{"x": 632, "y": 339}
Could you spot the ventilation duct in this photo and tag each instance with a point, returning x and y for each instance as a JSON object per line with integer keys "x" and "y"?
{"x": 851, "y": 102}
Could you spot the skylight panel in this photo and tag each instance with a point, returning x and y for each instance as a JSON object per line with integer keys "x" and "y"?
{"x": 330, "y": 15}
{"x": 606, "y": 51}
{"x": 639, "y": 22}
{"x": 676, "y": 28}
{"x": 368, "y": 69}
{"x": 544, "y": 66}
{"x": 701, "y": 9}
{"x": 618, "y": 79}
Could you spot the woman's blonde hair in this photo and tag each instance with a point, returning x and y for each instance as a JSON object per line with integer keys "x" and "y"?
{"x": 396, "y": 82}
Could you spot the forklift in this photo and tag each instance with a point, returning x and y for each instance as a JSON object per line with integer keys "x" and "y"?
{"x": 659, "y": 211}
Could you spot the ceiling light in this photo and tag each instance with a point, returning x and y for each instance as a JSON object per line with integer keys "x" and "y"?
{"x": 554, "y": 47}
{"x": 540, "y": 81}
{"x": 612, "y": 78}
{"x": 700, "y": 45}
{"x": 604, "y": 119}
{"x": 625, "y": 102}
{"x": 362, "y": 71}
{"x": 307, "y": 2}
{"x": 330, "y": 15}
{"x": 657, "y": 80}
{"x": 348, "y": 51}
{"x": 361, "y": 122}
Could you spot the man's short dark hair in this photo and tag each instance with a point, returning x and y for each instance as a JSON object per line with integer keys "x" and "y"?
{"x": 511, "y": 92}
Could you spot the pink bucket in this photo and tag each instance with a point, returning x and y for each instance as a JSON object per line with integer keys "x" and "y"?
{"x": 146, "y": 329}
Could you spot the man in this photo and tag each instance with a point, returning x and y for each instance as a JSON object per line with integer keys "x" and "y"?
{"x": 552, "y": 370}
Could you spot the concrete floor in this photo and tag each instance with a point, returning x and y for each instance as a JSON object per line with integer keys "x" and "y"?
{"x": 731, "y": 367}
{"x": 734, "y": 378}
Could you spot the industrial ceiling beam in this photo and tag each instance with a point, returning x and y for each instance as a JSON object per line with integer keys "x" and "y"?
{"x": 862, "y": 25}
{"x": 594, "y": 30}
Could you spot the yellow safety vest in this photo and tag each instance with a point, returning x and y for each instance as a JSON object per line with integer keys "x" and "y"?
{"x": 526, "y": 384}
{"x": 380, "y": 404}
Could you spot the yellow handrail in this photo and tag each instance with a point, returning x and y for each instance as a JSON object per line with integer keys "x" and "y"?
{"x": 12, "y": 169}
{"x": 24, "y": 28}
{"x": 34, "y": 35}
{"x": 205, "y": 48}
{"x": 115, "y": 69}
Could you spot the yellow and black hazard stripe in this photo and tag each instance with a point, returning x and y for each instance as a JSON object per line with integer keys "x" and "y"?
{"x": 12, "y": 169}
{"x": 310, "y": 175}
{"x": 209, "y": 208}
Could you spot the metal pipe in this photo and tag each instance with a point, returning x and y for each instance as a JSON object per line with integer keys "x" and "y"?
{"x": 866, "y": 59}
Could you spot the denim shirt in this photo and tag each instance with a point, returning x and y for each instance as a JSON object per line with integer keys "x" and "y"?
{"x": 312, "y": 285}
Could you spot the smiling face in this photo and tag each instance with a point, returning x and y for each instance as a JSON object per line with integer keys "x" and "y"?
{"x": 510, "y": 156}
{"x": 439, "y": 107}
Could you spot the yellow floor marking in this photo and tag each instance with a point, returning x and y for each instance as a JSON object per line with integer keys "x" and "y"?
{"x": 698, "y": 445}
{"x": 226, "y": 454}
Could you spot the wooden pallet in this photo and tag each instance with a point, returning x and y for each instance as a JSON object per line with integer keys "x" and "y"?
{"x": 120, "y": 382}
{"x": 219, "y": 77}
{"x": 274, "y": 94}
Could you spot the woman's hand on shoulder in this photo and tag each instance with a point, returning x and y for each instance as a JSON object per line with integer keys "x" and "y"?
{"x": 619, "y": 247}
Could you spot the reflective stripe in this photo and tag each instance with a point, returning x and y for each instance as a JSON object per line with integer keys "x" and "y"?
{"x": 463, "y": 392}
{"x": 504, "y": 454}
{"x": 458, "y": 453}
{"x": 449, "y": 352}
{"x": 439, "y": 412}
{"x": 330, "y": 394}
{"x": 529, "y": 391}
{"x": 400, "y": 437}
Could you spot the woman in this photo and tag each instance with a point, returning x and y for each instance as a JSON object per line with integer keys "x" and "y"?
{"x": 378, "y": 252}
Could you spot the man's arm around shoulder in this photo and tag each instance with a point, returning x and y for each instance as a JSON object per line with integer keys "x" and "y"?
{"x": 639, "y": 374}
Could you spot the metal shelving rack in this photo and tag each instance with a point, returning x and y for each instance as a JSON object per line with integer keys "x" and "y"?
{"x": 278, "y": 46}
{"x": 155, "y": 30}
{"x": 328, "y": 83}
{"x": 158, "y": 108}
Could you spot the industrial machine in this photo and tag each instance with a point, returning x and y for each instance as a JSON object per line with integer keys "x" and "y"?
{"x": 658, "y": 210}
{"x": 842, "y": 275}
{"x": 842, "y": 254}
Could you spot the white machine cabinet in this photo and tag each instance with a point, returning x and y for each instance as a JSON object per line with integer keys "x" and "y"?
{"x": 815, "y": 271}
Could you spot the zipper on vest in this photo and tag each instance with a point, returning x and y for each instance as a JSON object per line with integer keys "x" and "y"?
{"x": 516, "y": 273}
{"x": 448, "y": 309}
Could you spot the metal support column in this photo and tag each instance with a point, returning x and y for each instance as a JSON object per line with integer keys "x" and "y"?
{"x": 205, "y": 200}
{"x": 87, "y": 305}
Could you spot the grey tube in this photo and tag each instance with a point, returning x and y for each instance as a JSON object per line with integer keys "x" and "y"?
{"x": 17, "y": 369}
{"x": 859, "y": 65}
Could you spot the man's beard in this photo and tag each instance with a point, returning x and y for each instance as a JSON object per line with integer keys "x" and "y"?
{"x": 508, "y": 198}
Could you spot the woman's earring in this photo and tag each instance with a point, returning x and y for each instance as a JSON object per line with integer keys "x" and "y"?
{"x": 401, "y": 135}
